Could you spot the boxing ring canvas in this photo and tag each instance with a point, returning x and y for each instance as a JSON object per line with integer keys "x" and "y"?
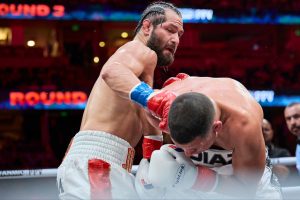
{"x": 41, "y": 184}
{"x": 29, "y": 188}
{"x": 28, "y": 184}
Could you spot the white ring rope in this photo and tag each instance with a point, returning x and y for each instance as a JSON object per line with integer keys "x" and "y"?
{"x": 27, "y": 173}
{"x": 288, "y": 161}
{"x": 34, "y": 173}
{"x": 291, "y": 192}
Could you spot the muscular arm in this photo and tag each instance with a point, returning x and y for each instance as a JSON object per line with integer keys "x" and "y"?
{"x": 248, "y": 163}
{"x": 123, "y": 70}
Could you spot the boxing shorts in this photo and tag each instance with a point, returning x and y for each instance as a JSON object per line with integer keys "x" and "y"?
{"x": 97, "y": 166}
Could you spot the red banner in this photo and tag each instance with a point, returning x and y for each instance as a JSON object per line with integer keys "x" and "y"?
{"x": 34, "y": 10}
{"x": 33, "y": 98}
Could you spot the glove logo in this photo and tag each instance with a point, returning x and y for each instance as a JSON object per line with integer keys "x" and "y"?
{"x": 179, "y": 174}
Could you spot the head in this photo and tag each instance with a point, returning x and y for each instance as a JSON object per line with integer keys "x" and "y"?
{"x": 267, "y": 131}
{"x": 162, "y": 26}
{"x": 192, "y": 122}
{"x": 292, "y": 118}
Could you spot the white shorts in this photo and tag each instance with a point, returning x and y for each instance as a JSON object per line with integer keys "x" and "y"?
{"x": 269, "y": 187}
{"x": 97, "y": 166}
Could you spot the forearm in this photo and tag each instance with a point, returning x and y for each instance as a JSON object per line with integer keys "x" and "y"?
{"x": 124, "y": 81}
{"x": 120, "y": 79}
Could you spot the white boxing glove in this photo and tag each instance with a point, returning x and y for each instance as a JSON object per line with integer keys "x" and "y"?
{"x": 169, "y": 167}
{"x": 143, "y": 186}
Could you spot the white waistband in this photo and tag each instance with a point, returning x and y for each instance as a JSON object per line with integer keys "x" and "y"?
{"x": 102, "y": 145}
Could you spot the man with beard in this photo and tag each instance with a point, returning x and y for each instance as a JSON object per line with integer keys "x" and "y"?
{"x": 99, "y": 158}
{"x": 292, "y": 119}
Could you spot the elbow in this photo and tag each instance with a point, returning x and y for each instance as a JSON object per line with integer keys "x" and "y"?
{"x": 110, "y": 71}
{"x": 107, "y": 74}
{"x": 104, "y": 75}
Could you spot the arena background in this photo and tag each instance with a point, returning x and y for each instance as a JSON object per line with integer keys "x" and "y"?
{"x": 51, "y": 52}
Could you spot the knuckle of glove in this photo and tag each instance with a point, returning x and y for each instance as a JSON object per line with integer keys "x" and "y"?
{"x": 172, "y": 146}
{"x": 182, "y": 76}
{"x": 163, "y": 125}
{"x": 173, "y": 150}
{"x": 160, "y": 101}
{"x": 170, "y": 81}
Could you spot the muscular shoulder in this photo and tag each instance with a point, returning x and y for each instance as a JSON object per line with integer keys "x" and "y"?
{"x": 247, "y": 121}
{"x": 250, "y": 134}
{"x": 139, "y": 50}
{"x": 244, "y": 126}
{"x": 247, "y": 134}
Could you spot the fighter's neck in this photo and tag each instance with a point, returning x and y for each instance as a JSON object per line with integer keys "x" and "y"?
{"x": 141, "y": 38}
{"x": 221, "y": 140}
{"x": 217, "y": 110}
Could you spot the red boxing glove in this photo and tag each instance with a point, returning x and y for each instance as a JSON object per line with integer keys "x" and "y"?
{"x": 150, "y": 144}
{"x": 159, "y": 105}
{"x": 170, "y": 81}
{"x": 180, "y": 76}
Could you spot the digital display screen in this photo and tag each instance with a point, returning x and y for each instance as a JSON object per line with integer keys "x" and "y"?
{"x": 73, "y": 100}
{"x": 87, "y": 12}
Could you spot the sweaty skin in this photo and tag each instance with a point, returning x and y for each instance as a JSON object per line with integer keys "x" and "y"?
{"x": 100, "y": 158}
{"x": 106, "y": 110}
{"x": 241, "y": 118}
{"x": 109, "y": 108}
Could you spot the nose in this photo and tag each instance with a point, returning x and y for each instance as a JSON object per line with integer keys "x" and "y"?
{"x": 293, "y": 121}
{"x": 175, "y": 39}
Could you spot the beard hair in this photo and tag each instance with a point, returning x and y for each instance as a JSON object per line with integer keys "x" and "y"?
{"x": 154, "y": 44}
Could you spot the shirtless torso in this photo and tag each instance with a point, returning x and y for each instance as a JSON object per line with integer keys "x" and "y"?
{"x": 106, "y": 109}
{"x": 109, "y": 108}
{"x": 237, "y": 107}
{"x": 241, "y": 118}
{"x": 99, "y": 158}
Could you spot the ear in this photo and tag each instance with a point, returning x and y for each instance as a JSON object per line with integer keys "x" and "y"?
{"x": 146, "y": 27}
{"x": 217, "y": 126}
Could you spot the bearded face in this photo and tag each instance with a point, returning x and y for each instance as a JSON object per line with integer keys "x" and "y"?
{"x": 165, "y": 52}
{"x": 292, "y": 118}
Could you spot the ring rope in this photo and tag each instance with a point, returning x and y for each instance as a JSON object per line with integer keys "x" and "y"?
{"x": 35, "y": 173}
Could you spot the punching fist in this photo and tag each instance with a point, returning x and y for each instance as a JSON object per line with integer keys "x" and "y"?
{"x": 143, "y": 186}
{"x": 178, "y": 77}
{"x": 158, "y": 103}
{"x": 169, "y": 167}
